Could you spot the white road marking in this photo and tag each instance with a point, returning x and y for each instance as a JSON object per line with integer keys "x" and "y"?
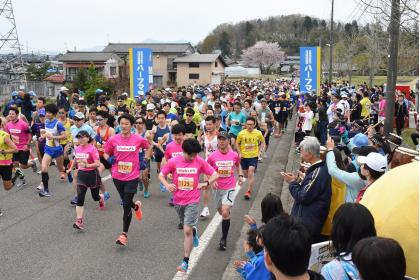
{"x": 205, "y": 238}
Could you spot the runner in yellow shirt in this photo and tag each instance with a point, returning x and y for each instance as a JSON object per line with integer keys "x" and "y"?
{"x": 365, "y": 102}
{"x": 250, "y": 143}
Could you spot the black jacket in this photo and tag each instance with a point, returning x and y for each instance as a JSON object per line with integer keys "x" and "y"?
{"x": 312, "y": 197}
{"x": 62, "y": 101}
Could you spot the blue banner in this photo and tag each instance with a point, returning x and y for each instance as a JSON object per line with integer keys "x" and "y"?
{"x": 141, "y": 72}
{"x": 310, "y": 69}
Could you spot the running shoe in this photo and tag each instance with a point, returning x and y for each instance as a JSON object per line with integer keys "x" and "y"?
{"x": 162, "y": 188}
{"x": 205, "y": 213}
{"x": 102, "y": 203}
{"x": 146, "y": 194}
{"x": 122, "y": 240}
{"x": 171, "y": 202}
{"x": 40, "y": 187}
{"x": 180, "y": 226}
{"x": 74, "y": 201}
{"x": 18, "y": 174}
{"x": 247, "y": 195}
{"x": 70, "y": 177}
{"x": 138, "y": 213}
{"x": 196, "y": 241}
{"x": 44, "y": 193}
{"x": 21, "y": 183}
{"x": 78, "y": 224}
{"x": 222, "y": 244}
{"x": 107, "y": 196}
{"x": 141, "y": 186}
{"x": 34, "y": 166}
{"x": 183, "y": 267}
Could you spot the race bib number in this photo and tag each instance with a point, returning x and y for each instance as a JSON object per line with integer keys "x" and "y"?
{"x": 249, "y": 147}
{"x": 125, "y": 167}
{"x": 185, "y": 183}
{"x": 284, "y": 109}
{"x": 224, "y": 172}
{"x": 263, "y": 116}
{"x": 277, "y": 110}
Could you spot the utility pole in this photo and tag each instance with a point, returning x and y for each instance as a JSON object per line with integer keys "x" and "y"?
{"x": 9, "y": 43}
{"x": 331, "y": 42}
{"x": 394, "y": 33}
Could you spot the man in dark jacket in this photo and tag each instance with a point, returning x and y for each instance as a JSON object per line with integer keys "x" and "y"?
{"x": 62, "y": 99}
{"x": 401, "y": 113}
{"x": 311, "y": 191}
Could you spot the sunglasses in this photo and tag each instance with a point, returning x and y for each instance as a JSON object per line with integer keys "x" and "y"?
{"x": 189, "y": 115}
{"x": 61, "y": 113}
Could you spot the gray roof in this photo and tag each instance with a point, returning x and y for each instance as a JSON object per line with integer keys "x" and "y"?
{"x": 156, "y": 47}
{"x": 203, "y": 58}
{"x": 87, "y": 56}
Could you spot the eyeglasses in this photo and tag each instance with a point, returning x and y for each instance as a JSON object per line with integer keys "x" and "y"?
{"x": 250, "y": 124}
{"x": 189, "y": 115}
{"x": 61, "y": 113}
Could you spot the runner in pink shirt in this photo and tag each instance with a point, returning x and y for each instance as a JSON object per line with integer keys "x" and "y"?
{"x": 87, "y": 159}
{"x": 21, "y": 136}
{"x": 122, "y": 151}
{"x": 186, "y": 171}
{"x": 174, "y": 149}
{"x": 225, "y": 161}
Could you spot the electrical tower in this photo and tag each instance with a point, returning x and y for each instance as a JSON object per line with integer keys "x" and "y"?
{"x": 11, "y": 62}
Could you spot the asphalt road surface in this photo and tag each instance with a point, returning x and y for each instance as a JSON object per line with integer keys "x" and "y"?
{"x": 37, "y": 240}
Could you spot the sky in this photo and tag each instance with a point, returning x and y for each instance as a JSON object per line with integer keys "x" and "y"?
{"x": 59, "y": 25}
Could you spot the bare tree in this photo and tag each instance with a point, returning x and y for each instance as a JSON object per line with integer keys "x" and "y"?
{"x": 263, "y": 54}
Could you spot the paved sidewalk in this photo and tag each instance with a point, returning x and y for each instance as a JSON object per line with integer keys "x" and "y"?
{"x": 272, "y": 182}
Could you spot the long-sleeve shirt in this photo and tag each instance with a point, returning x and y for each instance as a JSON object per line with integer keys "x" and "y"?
{"x": 352, "y": 180}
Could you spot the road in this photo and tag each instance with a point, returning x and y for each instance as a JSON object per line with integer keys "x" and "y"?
{"x": 37, "y": 240}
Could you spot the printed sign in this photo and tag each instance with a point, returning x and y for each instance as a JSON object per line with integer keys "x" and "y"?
{"x": 141, "y": 72}
{"x": 310, "y": 69}
{"x": 321, "y": 254}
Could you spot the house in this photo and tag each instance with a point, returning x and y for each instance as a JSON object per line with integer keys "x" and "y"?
{"x": 201, "y": 69}
{"x": 53, "y": 84}
{"x": 164, "y": 54}
{"x": 107, "y": 63}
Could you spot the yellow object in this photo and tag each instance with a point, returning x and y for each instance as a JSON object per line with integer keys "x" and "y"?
{"x": 69, "y": 138}
{"x": 338, "y": 195}
{"x": 365, "y": 102}
{"x": 4, "y": 146}
{"x": 393, "y": 200}
{"x": 249, "y": 142}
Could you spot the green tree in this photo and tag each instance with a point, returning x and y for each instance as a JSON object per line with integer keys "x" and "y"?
{"x": 249, "y": 36}
{"x": 36, "y": 72}
{"x": 209, "y": 44}
{"x": 224, "y": 44}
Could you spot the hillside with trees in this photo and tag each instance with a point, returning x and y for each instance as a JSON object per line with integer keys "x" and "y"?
{"x": 362, "y": 48}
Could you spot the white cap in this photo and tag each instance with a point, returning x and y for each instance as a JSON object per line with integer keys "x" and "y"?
{"x": 64, "y": 89}
{"x": 150, "y": 106}
{"x": 124, "y": 93}
{"x": 375, "y": 161}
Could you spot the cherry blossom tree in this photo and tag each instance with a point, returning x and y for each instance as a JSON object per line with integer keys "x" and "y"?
{"x": 264, "y": 55}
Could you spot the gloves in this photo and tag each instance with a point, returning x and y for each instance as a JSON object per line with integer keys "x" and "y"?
{"x": 111, "y": 160}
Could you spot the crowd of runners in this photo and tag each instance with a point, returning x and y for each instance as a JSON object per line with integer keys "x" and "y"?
{"x": 203, "y": 141}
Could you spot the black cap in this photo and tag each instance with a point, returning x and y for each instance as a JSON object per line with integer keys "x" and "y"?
{"x": 82, "y": 133}
{"x": 364, "y": 150}
{"x": 223, "y": 134}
